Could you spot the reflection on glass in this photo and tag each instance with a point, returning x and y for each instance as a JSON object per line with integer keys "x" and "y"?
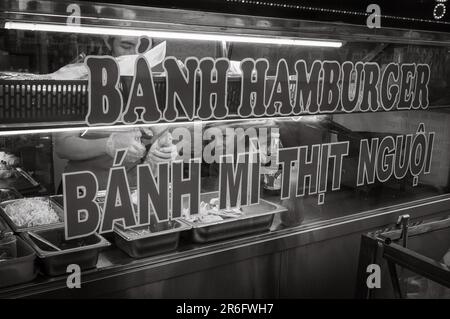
{"x": 44, "y": 157}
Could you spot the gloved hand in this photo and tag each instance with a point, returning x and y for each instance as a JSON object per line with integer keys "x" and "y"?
{"x": 162, "y": 150}
{"x": 128, "y": 140}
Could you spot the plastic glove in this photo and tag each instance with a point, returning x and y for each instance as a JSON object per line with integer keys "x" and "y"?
{"x": 129, "y": 141}
{"x": 162, "y": 150}
{"x": 158, "y": 154}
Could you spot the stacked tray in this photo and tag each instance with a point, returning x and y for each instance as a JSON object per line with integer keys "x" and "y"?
{"x": 48, "y": 241}
{"x": 20, "y": 269}
{"x": 163, "y": 237}
{"x": 56, "y": 253}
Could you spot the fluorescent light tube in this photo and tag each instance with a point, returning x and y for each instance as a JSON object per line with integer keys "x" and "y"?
{"x": 170, "y": 34}
{"x": 19, "y": 131}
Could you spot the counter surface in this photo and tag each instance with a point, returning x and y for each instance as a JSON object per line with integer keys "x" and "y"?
{"x": 117, "y": 272}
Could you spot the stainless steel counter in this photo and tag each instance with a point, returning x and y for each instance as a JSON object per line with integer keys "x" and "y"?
{"x": 317, "y": 259}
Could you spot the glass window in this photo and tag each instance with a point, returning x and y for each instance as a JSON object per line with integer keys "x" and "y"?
{"x": 45, "y": 61}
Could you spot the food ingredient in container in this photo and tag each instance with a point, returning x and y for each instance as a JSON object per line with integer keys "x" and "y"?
{"x": 210, "y": 212}
{"x": 230, "y": 229}
{"x": 144, "y": 241}
{"x": 219, "y": 224}
{"x": 29, "y": 212}
{"x": 81, "y": 251}
{"x": 20, "y": 269}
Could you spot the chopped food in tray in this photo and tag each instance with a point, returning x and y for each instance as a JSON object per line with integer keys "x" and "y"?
{"x": 210, "y": 212}
{"x": 29, "y": 212}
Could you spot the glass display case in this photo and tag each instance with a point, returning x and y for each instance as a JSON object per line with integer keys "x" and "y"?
{"x": 300, "y": 244}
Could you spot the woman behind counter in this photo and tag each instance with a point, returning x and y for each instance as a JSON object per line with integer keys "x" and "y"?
{"x": 95, "y": 152}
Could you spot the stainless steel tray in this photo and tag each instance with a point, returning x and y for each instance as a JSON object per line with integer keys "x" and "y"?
{"x": 161, "y": 238}
{"x": 256, "y": 218}
{"x": 81, "y": 251}
{"x": 176, "y": 227}
{"x": 5, "y": 229}
{"x": 20, "y": 269}
{"x": 158, "y": 238}
{"x": 17, "y": 228}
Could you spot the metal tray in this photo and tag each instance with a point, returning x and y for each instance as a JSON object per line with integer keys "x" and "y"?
{"x": 20, "y": 269}
{"x": 4, "y": 228}
{"x": 256, "y": 218}
{"x": 19, "y": 229}
{"x": 82, "y": 251}
{"x": 161, "y": 238}
{"x": 21, "y": 181}
{"x": 59, "y": 200}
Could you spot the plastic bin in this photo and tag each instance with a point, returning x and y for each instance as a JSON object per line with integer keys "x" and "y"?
{"x": 82, "y": 251}
{"x": 20, "y": 269}
{"x": 8, "y": 246}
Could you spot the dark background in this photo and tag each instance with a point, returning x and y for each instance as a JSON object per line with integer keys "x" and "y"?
{"x": 396, "y": 13}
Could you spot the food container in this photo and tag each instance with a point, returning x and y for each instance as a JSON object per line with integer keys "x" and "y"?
{"x": 4, "y": 228}
{"x": 21, "y": 269}
{"x": 255, "y": 219}
{"x": 144, "y": 241}
{"x": 83, "y": 252}
{"x": 16, "y": 228}
{"x": 8, "y": 246}
{"x": 21, "y": 181}
{"x": 58, "y": 199}
{"x": 8, "y": 242}
{"x": 9, "y": 194}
